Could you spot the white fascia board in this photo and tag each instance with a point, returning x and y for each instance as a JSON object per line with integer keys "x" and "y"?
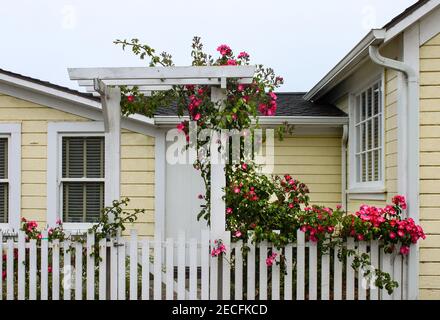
{"x": 173, "y": 120}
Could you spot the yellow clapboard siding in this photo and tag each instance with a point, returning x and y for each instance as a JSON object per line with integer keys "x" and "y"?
{"x": 429, "y": 282}
{"x": 134, "y": 164}
{"x": 430, "y": 144}
{"x": 429, "y": 118}
{"x": 430, "y": 213}
{"x": 430, "y": 64}
{"x": 430, "y": 158}
{"x": 306, "y": 160}
{"x": 137, "y": 152}
{"x": 33, "y": 164}
{"x": 391, "y": 135}
{"x": 431, "y": 131}
{"x": 141, "y": 203}
{"x": 132, "y": 190}
{"x": 136, "y": 177}
{"x": 430, "y": 186}
{"x": 33, "y": 202}
{"x": 391, "y": 111}
{"x": 307, "y": 151}
{"x": 430, "y": 92}
{"x": 430, "y": 269}
{"x": 135, "y": 139}
{"x": 34, "y": 126}
{"x": 429, "y": 294}
{"x": 430, "y": 172}
{"x": 34, "y": 189}
{"x": 391, "y": 97}
{"x": 430, "y": 200}
{"x": 431, "y": 255}
{"x": 33, "y": 139}
{"x": 390, "y": 123}
{"x": 431, "y": 241}
{"x": 391, "y": 147}
{"x": 429, "y": 52}
{"x": 35, "y": 114}
{"x": 429, "y": 105}
{"x": 431, "y": 226}
{"x": 303, "y": 169}
{"x": 33, "y": 177}
{"x": 34, "y": 152}
{"x": 309, "y": 142}
{"x": 430, "y": 78}
{"x": 434, "y": 41}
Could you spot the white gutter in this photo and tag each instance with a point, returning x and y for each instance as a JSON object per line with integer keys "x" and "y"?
{"x": 330, "y": 121}
{"x": 406, "y": 165}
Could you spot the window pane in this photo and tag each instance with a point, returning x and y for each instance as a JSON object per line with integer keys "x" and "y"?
{"x": 376, "y": 165}
{"x": 357, "y": 110}
{"x": 369, "y": 103}
{"x": 376, "y": 132}
{"x": 376, "y": 100}
{"x": 83, "y": 157}
{"x": 4, "y": 202}
{"x": 3, "y": 158}
{"x": 82, "y": 201}
{"x": 95, "y": 157}
{"x": 364, "y": 167}
{"x": 363, "y": 103}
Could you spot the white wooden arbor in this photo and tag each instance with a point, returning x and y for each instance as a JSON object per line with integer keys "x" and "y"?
{"x": 105, "y": 82}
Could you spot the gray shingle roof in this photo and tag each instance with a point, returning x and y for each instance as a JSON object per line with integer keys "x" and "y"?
{"x": 289, "y": 104}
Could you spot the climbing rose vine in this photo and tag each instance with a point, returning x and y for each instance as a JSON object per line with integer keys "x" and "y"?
{"x": 265, "y": 207}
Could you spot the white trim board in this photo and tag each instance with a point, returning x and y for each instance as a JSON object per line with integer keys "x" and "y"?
{"x": 13, "y": 131}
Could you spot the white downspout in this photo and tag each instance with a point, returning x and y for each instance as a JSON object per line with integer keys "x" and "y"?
{"x": 409, "y": 190}
{"x": 344, "y": 166}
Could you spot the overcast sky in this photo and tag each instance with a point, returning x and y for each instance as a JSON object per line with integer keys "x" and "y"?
{"x": 300, "y": 39}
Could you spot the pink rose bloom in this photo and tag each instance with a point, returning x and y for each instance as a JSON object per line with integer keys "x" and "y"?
{"x": 240, "y": 87}
{"x": 231, "y": 62}
{"x": 197, "y": 117}
{"x": 392, "y": 235}
{"x": 360, "y": 237}
{"x": 181, "y": 126}
{"x": 224, "y": 50}
{"x": 237, "y": 234}
{"x": 228, "y": 210}
{"x": 404, "y": 250}
{"x": 400, "y": 233}
{"x": 338, "y": 207}
{"x": 243, "y": 55}
{"x": 236, "y": 190}
{"x": 244, "y": 166}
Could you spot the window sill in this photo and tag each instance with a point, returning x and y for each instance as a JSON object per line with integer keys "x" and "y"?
{"x": 77, "y": 228}
{"x": 367, "y": 194}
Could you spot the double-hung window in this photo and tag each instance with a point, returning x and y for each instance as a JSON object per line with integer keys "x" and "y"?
{"x": 367, "y": 139}
{"x": 10, "y": 175}
{"x": 4, "y": 181}
{"x": 82, "y": 178}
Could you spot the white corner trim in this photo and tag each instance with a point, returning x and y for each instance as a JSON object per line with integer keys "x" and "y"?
{"x": 13, "y": 131}
{"x": 160, "y": 184}
{"x": 54, "y": 132}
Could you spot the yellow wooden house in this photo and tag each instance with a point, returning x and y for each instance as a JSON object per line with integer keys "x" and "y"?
{"x": 368, "y": 130}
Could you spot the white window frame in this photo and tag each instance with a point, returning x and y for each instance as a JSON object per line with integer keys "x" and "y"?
{"x": 12, "y": 131}
{"x": 373, "y": 189}
{"x": 56, "y": 132}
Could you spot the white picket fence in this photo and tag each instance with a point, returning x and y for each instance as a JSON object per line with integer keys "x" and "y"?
{"x": 136, "y": 268}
